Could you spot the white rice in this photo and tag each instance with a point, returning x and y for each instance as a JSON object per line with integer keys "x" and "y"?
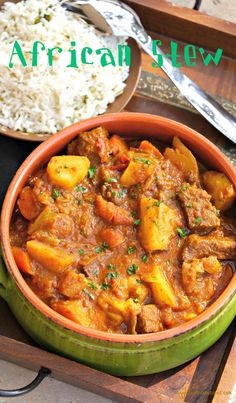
{"x": 46, "y": 99}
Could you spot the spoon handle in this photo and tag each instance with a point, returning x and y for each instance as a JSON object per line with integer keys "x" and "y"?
{"x": 206, "y": 106}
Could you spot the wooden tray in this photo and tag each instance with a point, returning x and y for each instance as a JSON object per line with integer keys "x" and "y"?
{"x": 210, "y": 377}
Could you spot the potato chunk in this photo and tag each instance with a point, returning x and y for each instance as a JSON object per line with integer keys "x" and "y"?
{"x": 158, "y": 224}
{"x": 220, "y": 188}
{"x": 140, "y": 168}
{"x": 74, "y": 310}
{"x": 162, "y": 292}
{"x": 185, "y": 161}
{"x": 66, "y": 171}
{"x": 52, "y": 259}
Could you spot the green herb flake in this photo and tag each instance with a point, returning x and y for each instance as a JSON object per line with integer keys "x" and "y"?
{"x": 131, "y": 249}
{"x": 136, "y": 300}
{"x": 133, "y": 213}
{"x": 81, "y": 189}
{"x": 105, "y": 286}
{"x": 92, "y": 285}
{"x": 157, "y": 203}
{"x": 111, "y": 266}
{"x": 198, "y": 220}
{"x": 88, "y": 293}
{"x": 91, "y": 172}
{"x": 132, "y": 269}
{"x": 181, "y": 232}
{"x": 55, "y": 193}
{"x": 138, "y": 186}
{"x": 189, "y": 206}
{"x": 111, "y": 180}
{"x": 122, "y": 193}
{"x": 145, "y": 258}
{"x": 179, "y": 243}
{"x": 217, "y": 212}
{"x": 112, "y": 275}
{"x": 81, "y": 251}
{"x": 184, "y": 187}
{"x": 137, "y": 222}
{"x": 133, "y": 196}
{"x": 139, "y": 281}
{"x": 143, "y": 160}
{"x": 104, "y": 246}
{"x": 47, "y": 17}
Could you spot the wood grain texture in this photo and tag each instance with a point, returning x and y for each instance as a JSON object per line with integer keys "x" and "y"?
{"x": 181, "y": 23}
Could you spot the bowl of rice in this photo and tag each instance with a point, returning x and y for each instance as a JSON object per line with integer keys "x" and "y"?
{"x": 38, "y": 101}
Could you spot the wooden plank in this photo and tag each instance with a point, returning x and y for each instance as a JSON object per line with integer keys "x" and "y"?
{"x": 192, "y": 381}
{"x": 74, "y": 373}
{"x": 226, "y": 388}
{"x": 183, "y": 23}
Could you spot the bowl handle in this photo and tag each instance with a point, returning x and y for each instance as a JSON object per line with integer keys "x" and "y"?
{"x": 4, "y": 277}
{"x": 43, "y": 373}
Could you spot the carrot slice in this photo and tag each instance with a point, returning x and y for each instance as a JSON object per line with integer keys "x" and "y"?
{"x": 112, "y": 237}
{"x": 22, "y": 260}
{"x": 148, "y": 147}
{"x": 112, "y": 213}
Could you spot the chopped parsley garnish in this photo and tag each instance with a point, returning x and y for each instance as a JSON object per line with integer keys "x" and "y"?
{"x": 104, "y": 246}
{"x": 181, "y": 232}
{"x": 189, "y": 206}
{"x": 134, "y": 213}
{"x": 122, "y": 193}
{"x": 136, "y": 300}
{"x": 131, "y": 249}
{"x": 145, "y": 258}
{"x": 137, "y": 222}
{"x": 111, "y": 180}
{"x": 111, "y": 267}
{"x": 91, "y": 172}
{"x": 112, "y": 274}
{"x": 143, "y": 160}
{"x": 139, "y": 281}
{"x": 198, "y": 220}
{"x": 184, "y": 187}
{"x": 92, "y": 285}
{"x": 105, "y": 286}
{"x": 55, "y": 193}
{"x": 132, "y": 269}
{"x": 81, "y": 251}
{"x": 138, "y": 186}
{"x": 89, "y": 294}
{"x": 133, "y": 196}
{"x": 81, "y": 189}
{"x": 80, "y": 201}
{"x": 179, "y": 243}
{"x": 157, "y": 203}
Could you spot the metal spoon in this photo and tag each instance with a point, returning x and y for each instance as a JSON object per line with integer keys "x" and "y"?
{"x": 115, "y": 17}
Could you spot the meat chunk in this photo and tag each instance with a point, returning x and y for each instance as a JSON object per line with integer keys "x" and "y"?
{"x": 111, "y": 213}
{"x": 200, "y": 212}
{"x": 94, "y": 145}
{"x": 149, "y": 319}
{"x": 202, "y": 246}
{"x": 197, "y": 277}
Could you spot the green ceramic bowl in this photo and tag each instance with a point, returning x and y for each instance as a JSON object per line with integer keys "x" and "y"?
{"x": 124, "y": 355}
